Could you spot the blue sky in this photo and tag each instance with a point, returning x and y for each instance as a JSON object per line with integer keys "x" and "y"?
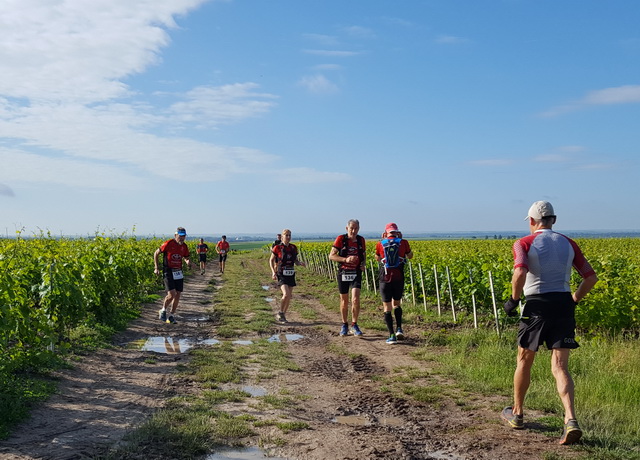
{"x": 249, "y": 116}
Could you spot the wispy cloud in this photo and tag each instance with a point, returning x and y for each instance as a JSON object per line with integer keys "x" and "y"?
{"x": 318, "y": 84}
{"x": 628, "y": 94}
{"x": 72, "y": 118}
{"x": 324, "y": 40}
{"x": 491, "y": 162}
{"x": 562, "y": 154}
{"x": 451, "y": 40}
{"x": 359, "y": 32}
{"x": 208, "y": 106}
{"x": 309, "y": 176}
{"x": 5, "y": 190}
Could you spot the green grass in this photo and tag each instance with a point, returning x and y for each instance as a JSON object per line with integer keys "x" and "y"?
{"x": 606, "y": 375}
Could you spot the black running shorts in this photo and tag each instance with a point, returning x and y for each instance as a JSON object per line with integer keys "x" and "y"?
{"x": 392, "y": 291}
{"x": 344, "y": 285}
{"x": 548, "y": 319}
{"x": 170, "y": 284}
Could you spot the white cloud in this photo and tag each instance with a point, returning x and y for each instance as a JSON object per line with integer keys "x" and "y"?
{"x": 76, "y": 50}
{"x": 309, "y": 176}
{"x": 318, "y": 84}
{"x": 5, "y": 190}
{"x": 359, "y": 32}
{"x": 450, "y": 40}
{"x": 628, "y": 94}
{"x": 28, "y": 167}
{"x": 491, "y": 162}
{"x": 208, "y": 106}
{"x": 324, "y": 40}
{"x": 62, "y": 99}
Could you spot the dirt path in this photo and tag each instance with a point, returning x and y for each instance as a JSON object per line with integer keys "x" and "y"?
{"x": 109, "y": 392}
{"x": 351, "y": 388}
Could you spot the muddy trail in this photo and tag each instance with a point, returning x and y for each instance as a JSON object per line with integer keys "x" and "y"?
{"x": 359, "y": 394}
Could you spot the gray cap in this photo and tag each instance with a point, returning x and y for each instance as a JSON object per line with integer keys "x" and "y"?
{"x": 540, "y": 209}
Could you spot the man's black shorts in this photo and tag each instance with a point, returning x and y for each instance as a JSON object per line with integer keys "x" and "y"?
{"x": 344, "y": 285}
{"x": 223, "y": 257}
{"x": 286, "y": 280}
{"x": 392, "y": 291}
{"x": 203, "y": 257}
{"x": 548, "y": 319}
{"x": 170, "y": 284}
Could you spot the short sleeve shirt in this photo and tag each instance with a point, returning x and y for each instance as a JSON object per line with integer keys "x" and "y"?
{"x": 173, "y": 252}
{"x": 351, "y": 249}
{"x": 223, "y": 247}
{"x": 393, "y": 274}
{"x": 287, "y": 254}
{"x": 548, "y": 257}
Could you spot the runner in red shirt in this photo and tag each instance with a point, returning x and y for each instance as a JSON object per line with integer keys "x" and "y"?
{"x": 222, "y": 248}
{"x": 173, "y": 252}
{"x": 392, "y": 277}
{"x": 284, "y": 258}
{"x": 349, "y": 251}
{"x": 201, "y": 250}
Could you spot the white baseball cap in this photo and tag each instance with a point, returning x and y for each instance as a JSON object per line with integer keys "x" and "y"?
{"x": 540, "y": 209}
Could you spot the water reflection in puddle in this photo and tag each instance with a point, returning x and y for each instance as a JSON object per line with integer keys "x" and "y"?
{"x": 250, "y": 453}
{"x": 243, "y": 342}
{"x": 266, "y": 288}
{"x": 285, "y": 337}
{"x": 168, "y": 345}
{"x": 269, "y": 299}
{"x": 361, "y": 420}
{"x": 254, "y": 391}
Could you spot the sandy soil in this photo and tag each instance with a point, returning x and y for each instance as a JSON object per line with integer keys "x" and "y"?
{"x": 350, "y": 412}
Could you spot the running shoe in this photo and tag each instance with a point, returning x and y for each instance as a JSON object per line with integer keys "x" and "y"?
{"x": 515, "y": 421}
{"x": 571, "y": 433}
{"x": 171, "y": 319}
{"x": 392, "y": 340}
{"x": 399, "y": 334}
{"x": 162, "y": 314}
{"x": 345, "y": 330}
{"x": 284, "y": 319}
{"x": 355, "y": 330}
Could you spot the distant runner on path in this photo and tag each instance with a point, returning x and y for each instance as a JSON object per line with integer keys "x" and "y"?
{"x": 349, "y": 251}
{"x": 392, "y": 252}
{"x": 222, "y": 248}
{"x": 542, "y": 271}
{"x": 173, "y": 252}
{"x": 201, "y": 250}
{"x": 284, "y": 258}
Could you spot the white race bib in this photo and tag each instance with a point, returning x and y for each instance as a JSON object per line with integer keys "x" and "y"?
{"x": 222, "y": 251}
{"x": 288, "y": 271}
{"x": 349, "y": 276}
{"x": 177, "y": 274}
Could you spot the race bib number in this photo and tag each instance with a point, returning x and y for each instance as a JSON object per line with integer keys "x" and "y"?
{"x": 349, "y": 276}
{"x": 222, "y": 251}
{"x": 177, "y": 274}
{"x": 288, "y": 271}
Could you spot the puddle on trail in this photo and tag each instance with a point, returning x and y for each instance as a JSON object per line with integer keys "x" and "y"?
{"x": 243, "y": 342}
{"x": 254, "y": 390}
{"x": 266, "y": 288}
{"x": 251, "y": 453}
{"x": 285, "y": 337}
{"x": 168, "y": 345}
{"x": 361, "y": 420}
{"x": 269, "y": 299}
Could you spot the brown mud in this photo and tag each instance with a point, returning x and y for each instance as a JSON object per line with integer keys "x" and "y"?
{"x": 351, "y": 404}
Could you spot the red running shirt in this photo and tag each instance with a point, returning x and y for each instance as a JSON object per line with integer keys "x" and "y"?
{"x": 173, "y": 253}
